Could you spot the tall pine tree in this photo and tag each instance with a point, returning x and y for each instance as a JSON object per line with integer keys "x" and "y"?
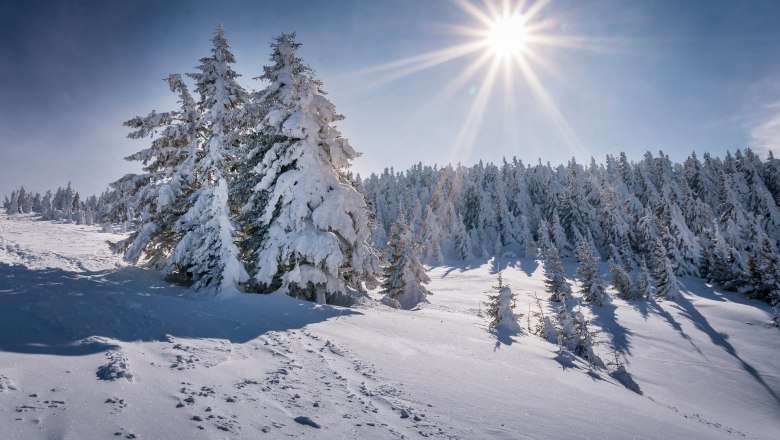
{"x": 316, "y": 225}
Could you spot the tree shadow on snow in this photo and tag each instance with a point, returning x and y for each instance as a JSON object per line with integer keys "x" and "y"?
{"x": 527, "y": 265}
{"x": 503, "y": 337}
{"x": 620, "y": 336}
{"x": 640, "y": 306}
{"x": 673, "y": 323}
{"x": 57, "y": 312}
{"x": 721, "y": 340}
{"x": 566, "y": 360}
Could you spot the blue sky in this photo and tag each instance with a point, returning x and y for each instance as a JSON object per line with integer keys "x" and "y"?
{"x": 645, "y": 75}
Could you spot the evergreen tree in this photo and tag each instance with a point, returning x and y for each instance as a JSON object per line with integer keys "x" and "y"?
{"x": 663, "y": 273}
{"x": 182, "y": 200}
{"x": 207, "y": 252}
{"x": 431, "y": 237}
{"x": 37, "y": 205}
{"x": 13, "y": 204}
{"x": 46, "y": 205}
{"x": 499, "y": 308}
{"x": 621, "y": 280}
{"x": 544, "y": 239}
{"x": 581, "y": 340}
{"x": 763, "y": 270}
{"x": 404, "y": 276}
{"x": 555, "y": 277}
{"x": 316, "y": 224}
{"x": 592, "y": 287}
{"x": 643, "y": 285}
{"x": 559, "y": 236}
{"x": 25, "y": 201}
{"x": 461, "y": 239}
{"x": 162, "y": 194}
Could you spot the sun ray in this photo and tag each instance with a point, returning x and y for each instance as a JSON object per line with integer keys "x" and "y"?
{"x": 550, "y": 108}
{"x": 430, "y": 59}
{"x": 456, "y": 84}
{"x": 535, "y": 9}
{"x": 471, "y": 126}
{"x": 544, "y": 64}
{"x": 466, "y": 31}
{"x": 474, "y": 11}
{"x": 509, "y": 38}
{"x": 583, "y": 43}
{"x": 510, "y": 104}
{"x": 492, "y": 10}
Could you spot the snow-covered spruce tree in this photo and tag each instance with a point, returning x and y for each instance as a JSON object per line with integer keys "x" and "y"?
{"x": 763, "y": 270}
{"x": 643, "y": 285}
{"x": 25, "y": 201}
{"x": 404, "y": 276}
{"x": 316, "y": 225}
{"x": 13, "y": 205}
{"x": 431, "y": 233}
{"x": 207, "y": 252}
{"x": 555, "y": 277}
{"x": 663, "y": 274}
{"x": 559, "y": 236}
{"x": 37, "y": 204}
{"x": 571, "y": 333}
{"x": 499, "y": 308}
{"x": 162, "y": 193}
{"x": 591, "y": 285}
{"x": 621, "y": 280}
{"x": 581, "y": 340}
{"x": 544, "y": 239}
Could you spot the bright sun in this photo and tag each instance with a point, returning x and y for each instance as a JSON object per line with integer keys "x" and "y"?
{"x": 509, "y": 42}
{"x": 506, "y": 36}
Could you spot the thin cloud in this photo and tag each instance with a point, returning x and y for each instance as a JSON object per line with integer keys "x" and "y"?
{"x": 766, "y": 133}
{"x": 763, "y": 122}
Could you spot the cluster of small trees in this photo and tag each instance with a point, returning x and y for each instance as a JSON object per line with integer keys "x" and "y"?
{"x": 250, "y": 190}
{"x": 65, "y": 204}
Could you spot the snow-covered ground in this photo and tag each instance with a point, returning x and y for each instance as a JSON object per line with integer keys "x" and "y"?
{"x": 91, "y": 348}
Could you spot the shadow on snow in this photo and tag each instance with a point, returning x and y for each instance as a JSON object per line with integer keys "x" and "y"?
{"x": 620, "y": 336}
{"x": 721, "y": 339}
{"x": 53, "y": 311}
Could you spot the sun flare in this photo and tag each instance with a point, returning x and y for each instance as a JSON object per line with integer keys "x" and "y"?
{"x": 507, "y": 35}
{"x": 507, "y": 42}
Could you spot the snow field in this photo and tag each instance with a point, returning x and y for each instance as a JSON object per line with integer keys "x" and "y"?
{"x": 90, "y": 348}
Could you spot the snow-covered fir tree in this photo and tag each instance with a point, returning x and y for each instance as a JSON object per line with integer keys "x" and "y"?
{"x": 207, "y": 252}
{"x": 162, "y": 194}
{"x": 591, "y": 284}
{"x": 404, "y": 277}
{"x": 663, "y": 274}
{"x": 499, "y": 308}
{"x": 763, "y": 271}
{"x": 315, "y": 224}
{"x": 569, "y": 330}
{"x": 554, "y": 277}
{"x": 186, "y": 229}
{"x": 12, "y": 207}
{"x": 643, "y": 284}
{"x": 621, "y": 280}
{"x": 581, "y": 340}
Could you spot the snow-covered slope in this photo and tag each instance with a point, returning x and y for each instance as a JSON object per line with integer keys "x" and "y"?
{"x": 72, "y": 318}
